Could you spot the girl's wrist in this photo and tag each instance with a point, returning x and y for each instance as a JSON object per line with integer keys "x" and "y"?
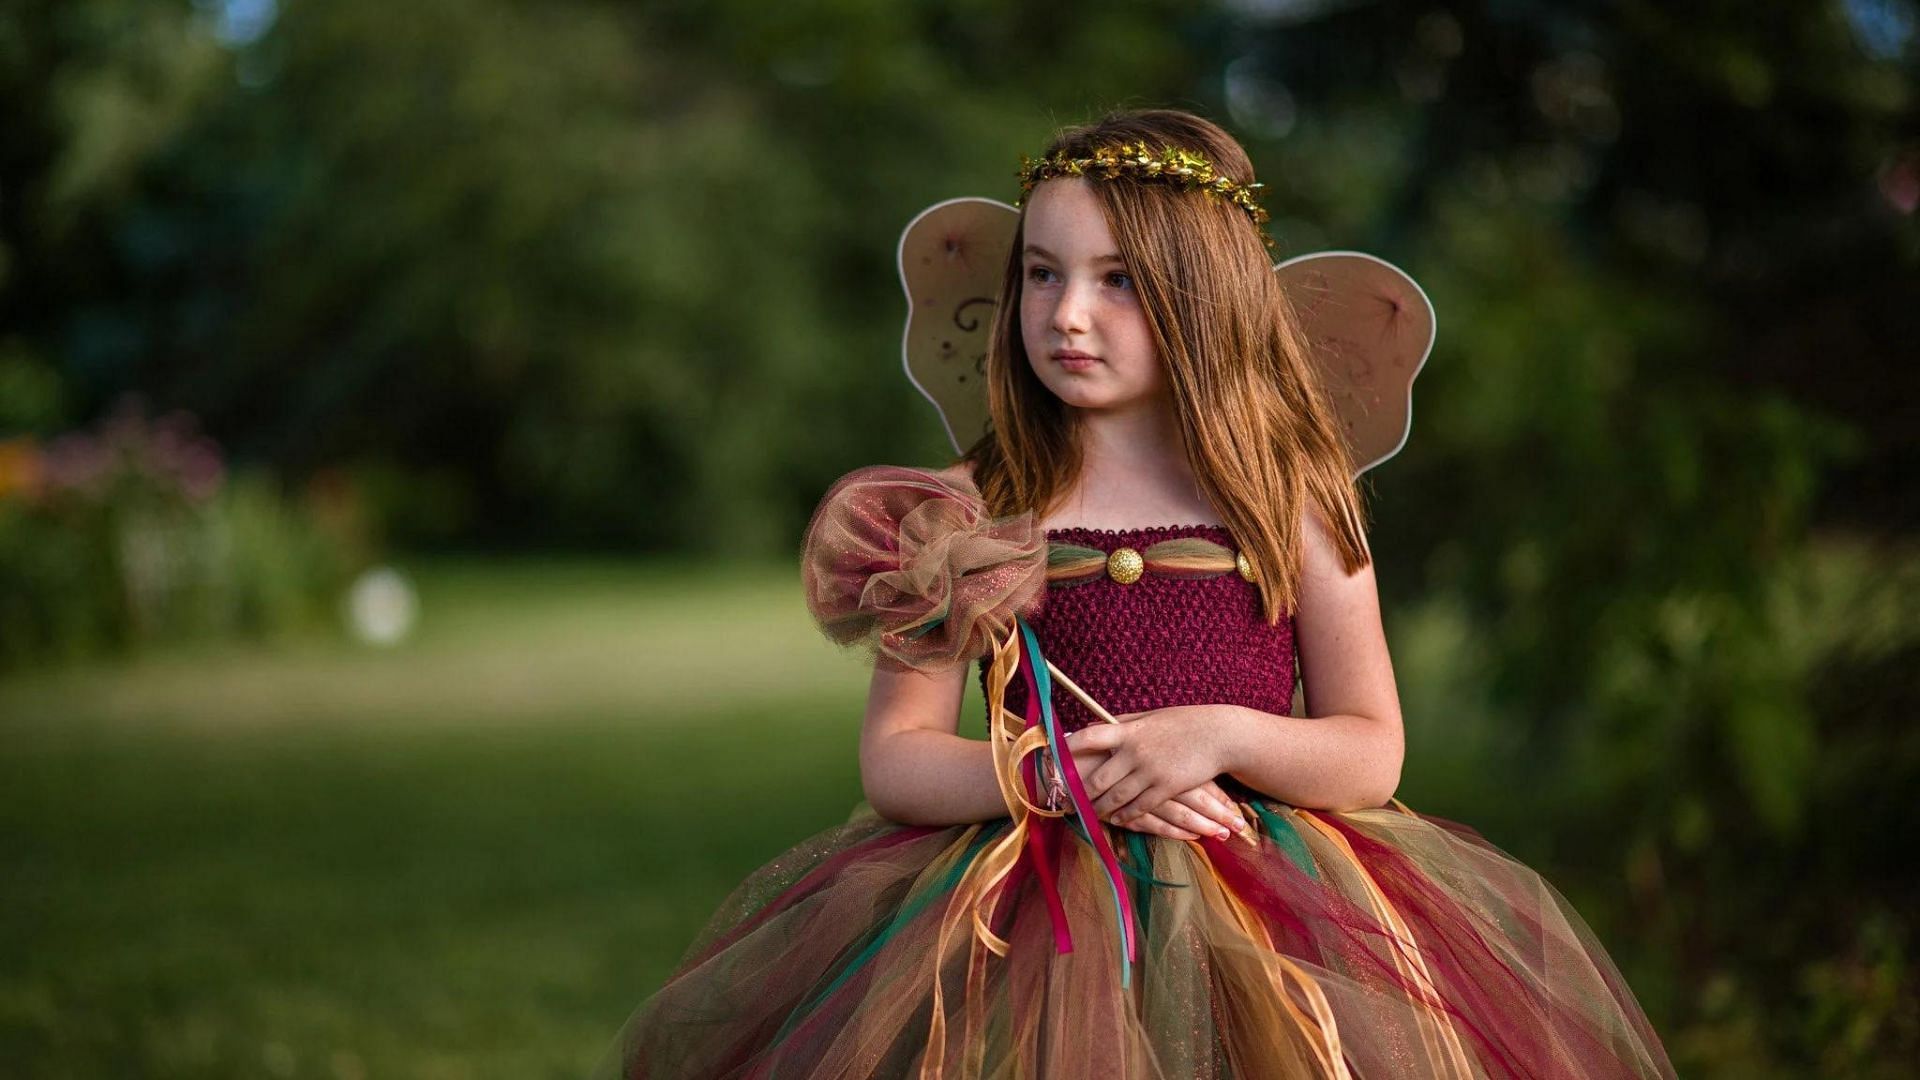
{"x": 1231, "y": 730}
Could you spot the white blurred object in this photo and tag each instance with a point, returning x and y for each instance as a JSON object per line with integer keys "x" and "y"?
{"x": 382, "y": 606}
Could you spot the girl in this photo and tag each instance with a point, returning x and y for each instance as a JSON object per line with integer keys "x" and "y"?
{"x": 1209, "y": 886}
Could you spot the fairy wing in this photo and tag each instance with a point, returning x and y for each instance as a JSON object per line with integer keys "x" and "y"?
{"x": 951, "y": 257}
{"x": 1369, "y": 324}
{"x": 1371, "y": 328}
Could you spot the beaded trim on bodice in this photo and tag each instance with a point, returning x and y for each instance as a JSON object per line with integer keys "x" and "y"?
{"x": 1146, "y": 641}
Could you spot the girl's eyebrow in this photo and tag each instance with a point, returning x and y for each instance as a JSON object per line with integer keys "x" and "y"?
{"x": 1036, "y": 249}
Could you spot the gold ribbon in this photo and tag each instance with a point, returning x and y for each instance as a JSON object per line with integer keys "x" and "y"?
{"x": 974, "y": 896}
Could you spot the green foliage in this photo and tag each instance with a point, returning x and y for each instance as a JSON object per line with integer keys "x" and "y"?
{"x": 30, "y": 390}
{"x": 133, "y": 534}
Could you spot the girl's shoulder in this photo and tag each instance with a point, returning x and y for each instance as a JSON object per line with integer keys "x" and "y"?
{"x": 961, "y": 470}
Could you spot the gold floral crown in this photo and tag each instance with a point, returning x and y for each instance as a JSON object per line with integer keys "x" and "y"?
{"x": 1184, "y": 169}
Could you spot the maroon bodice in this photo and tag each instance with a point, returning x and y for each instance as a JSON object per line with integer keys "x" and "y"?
{"x": 1160, "y": 640}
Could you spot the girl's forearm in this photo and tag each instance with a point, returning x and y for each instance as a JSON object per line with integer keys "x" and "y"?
{"x": 922, "y": 777}
{"x": 1341, "y": 762}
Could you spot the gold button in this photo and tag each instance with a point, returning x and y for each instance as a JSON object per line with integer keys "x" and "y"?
{"x": 1125, "y": 566}
{"x": 1242, "y": 564}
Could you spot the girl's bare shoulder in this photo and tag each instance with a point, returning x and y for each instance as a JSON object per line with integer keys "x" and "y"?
{"x": 959, "y": 470}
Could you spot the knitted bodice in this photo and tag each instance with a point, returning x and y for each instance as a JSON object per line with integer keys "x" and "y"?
{"x": 1159, "y": 640}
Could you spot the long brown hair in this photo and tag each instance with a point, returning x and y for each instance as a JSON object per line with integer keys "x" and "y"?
{"x": 1255, "y": 425}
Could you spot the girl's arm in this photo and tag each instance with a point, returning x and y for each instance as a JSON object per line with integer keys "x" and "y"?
{"x": 915, "y": 767}
{"x": 1345, "y": 755}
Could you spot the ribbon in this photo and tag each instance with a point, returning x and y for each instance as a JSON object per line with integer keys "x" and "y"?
{"x": 1191, "y": 557}
{"x": 1085, "y": 820}
{"x": 1013, "y": 741}
{"x": 979, "y": 890}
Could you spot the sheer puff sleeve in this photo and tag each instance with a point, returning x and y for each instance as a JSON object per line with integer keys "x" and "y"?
{"x": 906, "y": 565}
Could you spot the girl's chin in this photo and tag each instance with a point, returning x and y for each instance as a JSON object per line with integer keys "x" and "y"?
{"x": 1086, "y": 398}
{"x": 1078, "y": 395}
{"x": 1095, "y": 390}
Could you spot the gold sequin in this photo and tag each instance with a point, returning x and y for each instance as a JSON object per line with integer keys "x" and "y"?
{"x": 1244, "y": 565}
{"x": 1125, "y": 566}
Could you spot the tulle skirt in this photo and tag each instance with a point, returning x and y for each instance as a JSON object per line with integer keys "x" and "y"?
{"x": 1375, "y": 943}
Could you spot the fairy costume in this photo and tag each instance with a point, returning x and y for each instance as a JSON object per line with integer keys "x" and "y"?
{"x": 1048, "y": 944}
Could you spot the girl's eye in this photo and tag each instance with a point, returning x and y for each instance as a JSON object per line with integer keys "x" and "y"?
{"x": 1034, "y": 273}
{"x": 1119, "y": 280}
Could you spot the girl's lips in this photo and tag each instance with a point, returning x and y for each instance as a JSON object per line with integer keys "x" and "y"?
{"x": 1075, "y": 361}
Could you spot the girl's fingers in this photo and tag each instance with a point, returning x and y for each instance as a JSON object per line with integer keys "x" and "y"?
{"x": 1215, "y": 808}
{"x": 1212, "y": 792}
{"x": 1159, "y": 826}
{"x": 1110, "y": 802}
{"x": 1236, "y": 818}
{"x": 1086, "y": 764}
{"x": 1192, "y": 820}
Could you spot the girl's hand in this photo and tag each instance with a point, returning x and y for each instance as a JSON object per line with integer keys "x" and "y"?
{"x": 1151, "y": 757}
{"x": 1203, "y": 811}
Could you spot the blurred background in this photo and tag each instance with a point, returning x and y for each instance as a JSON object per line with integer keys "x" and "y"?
{"x": 409, "y": 413}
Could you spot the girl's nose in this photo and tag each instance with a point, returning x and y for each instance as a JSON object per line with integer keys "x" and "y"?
{"x": 1070, "y": 313}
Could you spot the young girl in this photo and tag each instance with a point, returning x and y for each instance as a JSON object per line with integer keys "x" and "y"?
{"x": 1161, "y": 520}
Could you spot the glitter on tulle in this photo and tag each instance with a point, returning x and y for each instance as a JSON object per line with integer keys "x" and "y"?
{"x": 908, "y": 565}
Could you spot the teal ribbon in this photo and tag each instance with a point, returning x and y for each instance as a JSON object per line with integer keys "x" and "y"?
{"x": 1122, "y": 902}
{"x": 1286, "y": 838}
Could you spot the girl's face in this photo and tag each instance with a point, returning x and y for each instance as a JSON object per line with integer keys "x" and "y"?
{"x": 1080, "y": 319}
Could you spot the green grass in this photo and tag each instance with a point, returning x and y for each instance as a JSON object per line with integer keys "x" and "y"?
{"x": 470, "y": 856}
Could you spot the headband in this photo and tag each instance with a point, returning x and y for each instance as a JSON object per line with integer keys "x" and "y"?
{"x": 1184, "y": 169}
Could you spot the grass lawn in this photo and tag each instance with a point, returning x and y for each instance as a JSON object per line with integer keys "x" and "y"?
{"x": 469, "y": 856}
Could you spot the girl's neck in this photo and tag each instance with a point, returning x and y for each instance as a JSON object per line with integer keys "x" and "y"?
{"x": 1140, "y": 442}
{"x": 1133, "y": 472}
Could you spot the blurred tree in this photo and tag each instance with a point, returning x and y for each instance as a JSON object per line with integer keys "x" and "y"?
{"x": 91, "y": 94}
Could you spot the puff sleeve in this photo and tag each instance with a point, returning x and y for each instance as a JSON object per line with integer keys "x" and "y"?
{"x": 906, "y": 565}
